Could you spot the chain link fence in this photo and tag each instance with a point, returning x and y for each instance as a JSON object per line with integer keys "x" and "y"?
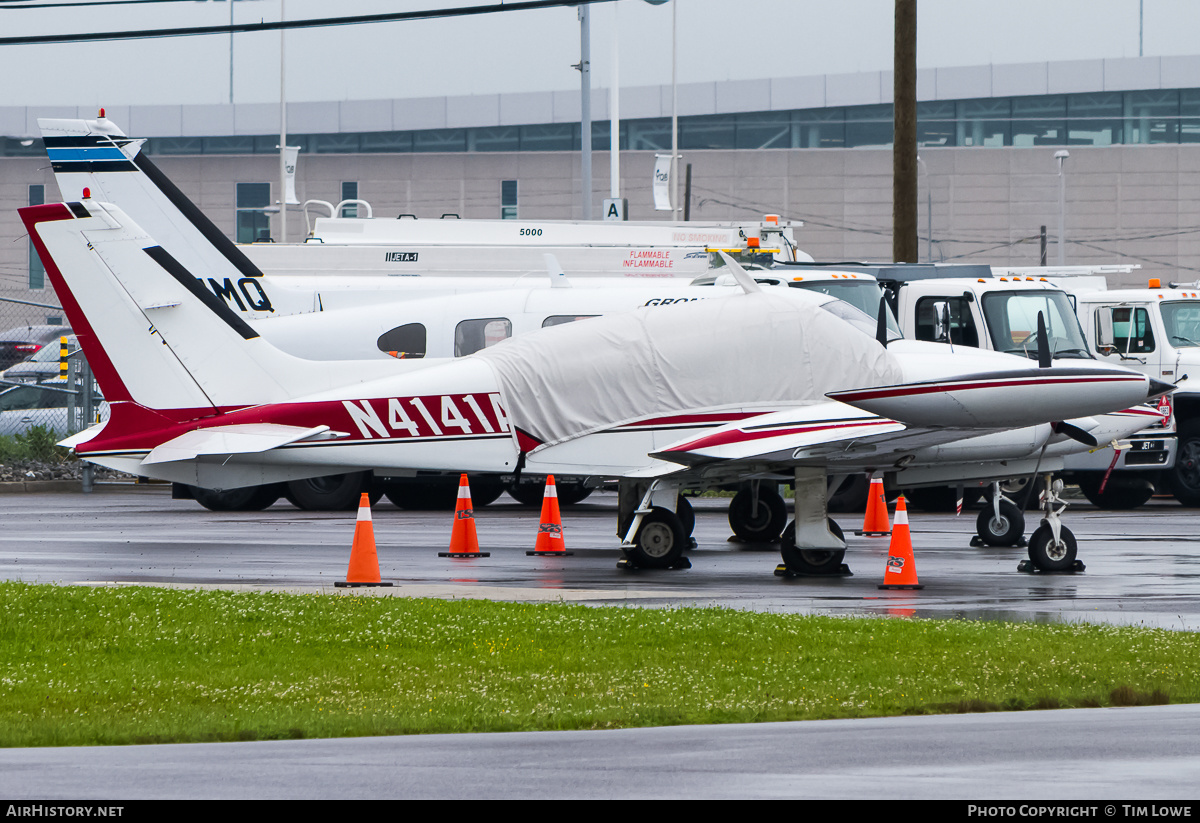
{"x": 45, "y": 382}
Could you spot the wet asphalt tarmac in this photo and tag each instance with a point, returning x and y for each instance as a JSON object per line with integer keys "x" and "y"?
{"x": 1143, "y": 567}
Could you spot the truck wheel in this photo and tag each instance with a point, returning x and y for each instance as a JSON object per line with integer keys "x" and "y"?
{"x": 1120, "y": 493}
{"x": 1003, "y": 531}
{"x": 1185, "y": 477}
{"x": 336, "y": 492}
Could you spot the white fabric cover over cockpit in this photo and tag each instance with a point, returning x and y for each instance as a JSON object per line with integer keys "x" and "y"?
{"x": 759, "y": 350}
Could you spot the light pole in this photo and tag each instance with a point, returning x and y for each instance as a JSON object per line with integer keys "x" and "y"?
{"x": 1061, "y": 156}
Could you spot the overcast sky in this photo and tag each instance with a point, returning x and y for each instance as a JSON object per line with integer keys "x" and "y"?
{"x": 534, "y": 50}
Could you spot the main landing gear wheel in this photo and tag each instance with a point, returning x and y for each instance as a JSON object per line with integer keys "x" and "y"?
{"x": 336, "y": 492}
{"x": 811, "y": 562}
{"x": 659, "y": 541}
{"x": 757, "y": 526}
{"x": 248, "y": 499}
{"x": 1048, "y": 555}
{"x": 687, "y": 517}
{"x": 1005, "y": 530}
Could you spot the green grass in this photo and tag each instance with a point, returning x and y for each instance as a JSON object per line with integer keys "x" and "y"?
{"x": 85, "y": 665}
{"x": 35, "y": 443}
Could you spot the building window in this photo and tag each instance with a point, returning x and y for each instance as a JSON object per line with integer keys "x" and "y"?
{"x": 37, "y": 272}
{"x": 253, "y": 224}
{"x": 349, "y": 192}
{"x": 508, "y": 199}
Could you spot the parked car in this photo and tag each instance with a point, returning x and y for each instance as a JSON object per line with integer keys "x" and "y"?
{"x": 22, "y": 342}
{"x": 37, "y": 404}
{"x": 42, "y": 366}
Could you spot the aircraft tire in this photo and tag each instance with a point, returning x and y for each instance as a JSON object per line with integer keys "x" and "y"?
{"x": 659, "y": 541}
{"x": 247, "y": 499}
{"x": 810, "y": 561}
{"x": 337, "y": 492}
{"x": 527, "y": 494}
{"x": 1049, "y": 556}
{"x": 1006, "y": 531}
{"x": 764, "y": 527}
{"x": 571, "y": 493}
{"x": 686, "y": 515}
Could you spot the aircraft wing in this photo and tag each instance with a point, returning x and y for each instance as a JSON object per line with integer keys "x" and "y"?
{"x": 825, "y": 434}
{"x": 246, "y": 438}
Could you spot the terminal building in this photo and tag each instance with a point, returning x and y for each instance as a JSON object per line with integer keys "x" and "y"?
{"x": 811, "y": 149}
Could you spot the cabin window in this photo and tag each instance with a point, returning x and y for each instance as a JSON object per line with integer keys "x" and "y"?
{"x": 406, "y": 342}
{"x": 560, "y": 319}
{"x": 472, "y": 335}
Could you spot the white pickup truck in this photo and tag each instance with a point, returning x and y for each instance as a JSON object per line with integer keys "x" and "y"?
{"x": 1157, "y": 332}
{"x": 997, "y": 309}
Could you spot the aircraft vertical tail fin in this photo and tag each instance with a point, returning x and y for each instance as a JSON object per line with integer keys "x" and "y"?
{"x": 155, "y": 337}
{"x": 98, "y": 156}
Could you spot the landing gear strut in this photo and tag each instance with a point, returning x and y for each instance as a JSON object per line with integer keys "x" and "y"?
{"x": 1052, "y": 546}
{"x": 656, "y": 535}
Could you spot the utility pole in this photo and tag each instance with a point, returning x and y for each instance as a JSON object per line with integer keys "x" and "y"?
{"x": 585, "y": 97}
{"x": 904, "y": 142}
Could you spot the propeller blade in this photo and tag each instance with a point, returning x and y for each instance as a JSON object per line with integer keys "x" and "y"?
{"x": 1075, "y": 433}
{"x": 1044, "y": 359}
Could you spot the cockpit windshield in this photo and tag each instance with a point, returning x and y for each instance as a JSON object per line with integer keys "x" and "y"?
{"x": 1012, "y": 321}
{"x": 1182, "y": 321}
{"x": 857, "y": 303}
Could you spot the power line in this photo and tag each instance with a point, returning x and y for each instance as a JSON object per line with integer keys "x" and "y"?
{"x": 320, "y": 22}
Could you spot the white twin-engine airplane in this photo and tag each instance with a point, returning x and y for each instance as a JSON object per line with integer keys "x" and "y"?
{"x": 713, "y": 391}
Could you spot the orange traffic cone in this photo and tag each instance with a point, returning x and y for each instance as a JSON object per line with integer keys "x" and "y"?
{"x": 550, "y": 536}
{"x": 463, "y": 540}
{"x": 364, "y": 562}
{"x": 901, "y": 568}
{"x": 875, "y": 523}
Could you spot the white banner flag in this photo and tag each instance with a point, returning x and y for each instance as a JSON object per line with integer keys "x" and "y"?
{"x": 662, "y": 182}
{"x": 293, "y": 152}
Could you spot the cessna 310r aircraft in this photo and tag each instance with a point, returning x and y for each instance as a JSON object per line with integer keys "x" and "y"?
{"x": 714, "y": 391}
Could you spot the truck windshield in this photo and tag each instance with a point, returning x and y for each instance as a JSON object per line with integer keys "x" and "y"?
{"x": 1181, "y": 318}
{"x": 863, "y": 295}
{"x": 1012, "y": 321}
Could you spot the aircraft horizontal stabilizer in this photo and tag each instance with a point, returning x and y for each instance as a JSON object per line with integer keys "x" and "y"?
{"x": 1004, "y": 399}
{"x": 246, "y": 438}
